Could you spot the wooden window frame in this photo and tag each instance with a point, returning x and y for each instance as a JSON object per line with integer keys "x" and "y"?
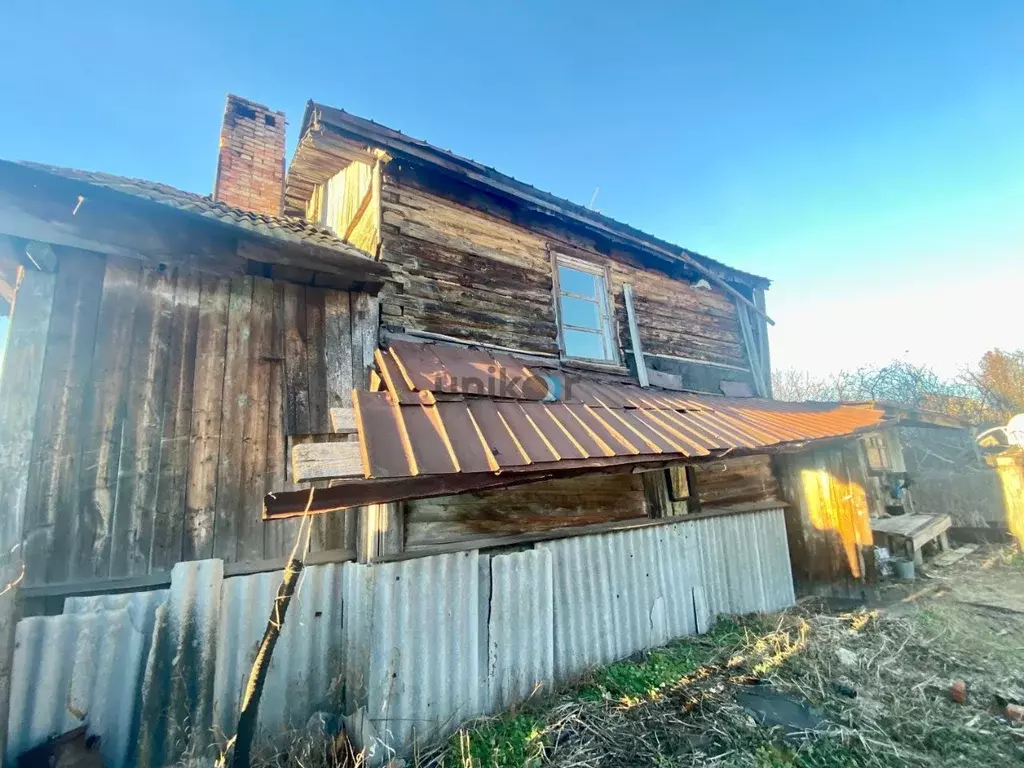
{"x": 605, "y": 305}
{"x": 880, "y": 445}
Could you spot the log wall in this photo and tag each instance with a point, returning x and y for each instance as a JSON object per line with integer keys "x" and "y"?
{"x": 542, "y": 506}
{"x": 163, "y": 418}
{"x": 475, "y": 275}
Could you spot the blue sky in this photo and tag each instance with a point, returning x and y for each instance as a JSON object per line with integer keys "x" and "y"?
{"x": 868, "y": 157}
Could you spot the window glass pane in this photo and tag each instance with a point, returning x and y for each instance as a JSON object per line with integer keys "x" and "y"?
{"x": 574, "y": 281}
{"x": 584, "y": 344}
{"x": 580, "y": 312}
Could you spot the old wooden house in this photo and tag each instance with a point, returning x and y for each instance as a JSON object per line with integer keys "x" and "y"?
{"x": 431, "y": 356}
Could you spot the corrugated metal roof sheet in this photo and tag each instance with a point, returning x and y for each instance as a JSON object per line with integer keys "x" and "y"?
{"x": 426, "y": 642}
{"x": 748, "y": 577}
{"x": 425, "y": 651}
{"x": 469, "y": 411}
{"x": 177, "y": 687}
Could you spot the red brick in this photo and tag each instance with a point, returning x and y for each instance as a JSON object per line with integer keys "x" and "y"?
{"x": 250, "y": 164}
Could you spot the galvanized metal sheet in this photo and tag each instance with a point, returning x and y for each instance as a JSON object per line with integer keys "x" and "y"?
{"x": 744, "y": 562}
{"x": 73, "y": 669}
{"x": 307, "y": 668}
{"x": 177, "y": 687}
{"x": 520, "y": 632}
{"x": 425, "y": 646}
{"x": 421, "y": 644}
{"x": 141, "y": 606}
{"x": 619, "y": 593}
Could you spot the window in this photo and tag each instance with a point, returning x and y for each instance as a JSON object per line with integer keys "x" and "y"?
{"x": 877, "y": 453}
{"x": 582, "y": 304}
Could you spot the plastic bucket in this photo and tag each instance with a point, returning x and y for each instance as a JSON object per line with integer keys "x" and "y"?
{"x": 904, "y": 568}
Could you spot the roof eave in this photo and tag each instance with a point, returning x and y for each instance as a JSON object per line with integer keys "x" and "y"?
{"x": 363, "y": 271}
{"x": 508, "y": 187}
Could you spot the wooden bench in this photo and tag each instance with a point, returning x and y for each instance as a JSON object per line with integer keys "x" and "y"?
{"x": 914, "y": 530}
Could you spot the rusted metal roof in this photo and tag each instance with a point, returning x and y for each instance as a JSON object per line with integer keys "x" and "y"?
{"x": 451, "y": 419}
{"x": 450, "y": 410}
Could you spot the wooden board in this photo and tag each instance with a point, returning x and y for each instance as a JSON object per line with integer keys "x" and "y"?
{"x": 828, "y": 520}
{"x": 278, "y": 538}
{"x": 165, "y": 416}
{"x": 235, "y": 412}
{"x": 248, "y": 526}
{"x": 207, "y": 413}
{"x": 133, "y": 526}
{"x": 169, "y": 510}
{"x": 536, "y": 507}
{"x": 916, "y": 527}
{"x": 105, "y": 407}
{"x": 53, "y": 498}
{"x": 20, "y": 390}
{"x": 727, "y": 482}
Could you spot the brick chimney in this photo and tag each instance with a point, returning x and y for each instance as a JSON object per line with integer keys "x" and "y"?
{"x": 250, "y": 166}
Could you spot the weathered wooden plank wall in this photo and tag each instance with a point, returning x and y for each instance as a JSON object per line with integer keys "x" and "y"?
{"x": 466, "y": 273}
{"x": 743, "y": 480}
{"x": 828, "y": 520}
{"x": 165, "y": 407}
{"x": 539, "y": 506}
{"x": 20, "y": 388}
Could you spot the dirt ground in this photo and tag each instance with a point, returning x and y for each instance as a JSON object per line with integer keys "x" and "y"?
{"x": 818, "y": 685}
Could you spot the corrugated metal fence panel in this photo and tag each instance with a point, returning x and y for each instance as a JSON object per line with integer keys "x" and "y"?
{"x": 306, "y": 668}
{"x": 177, "y": 688}
{"x": 141, "y": 605}
{"x": 75, "y": 668}
{"x": 426, "y": 643}
{"x": 521, "y": 627}
{"x": 421, "y": 644}
{"x": 357, "y": 597}
{"x": 744, "y": 562}
{"x": 619, "y": 593}
{"x": 775, "y": 567}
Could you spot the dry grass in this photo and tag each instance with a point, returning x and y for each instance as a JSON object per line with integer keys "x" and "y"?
{"x": 676, "y": 706}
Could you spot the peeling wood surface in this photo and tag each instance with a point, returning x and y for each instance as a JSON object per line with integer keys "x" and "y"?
{"x": 20, "y": 389}
{"x": 542, "y": 506}
{"x": 168, "y": 396}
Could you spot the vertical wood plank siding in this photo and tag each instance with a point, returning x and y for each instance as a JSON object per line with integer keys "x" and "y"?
{"x": 166, "y": 402}
{"x": 466, "y": 273}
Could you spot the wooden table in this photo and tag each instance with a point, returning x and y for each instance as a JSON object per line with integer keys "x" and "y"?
{"x": 914, "y": 530}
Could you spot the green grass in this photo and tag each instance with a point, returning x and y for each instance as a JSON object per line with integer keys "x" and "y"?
{"x": 649, "y": 672}
{"x": 501, "y": 742}
{"x": 517, "y": 740}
